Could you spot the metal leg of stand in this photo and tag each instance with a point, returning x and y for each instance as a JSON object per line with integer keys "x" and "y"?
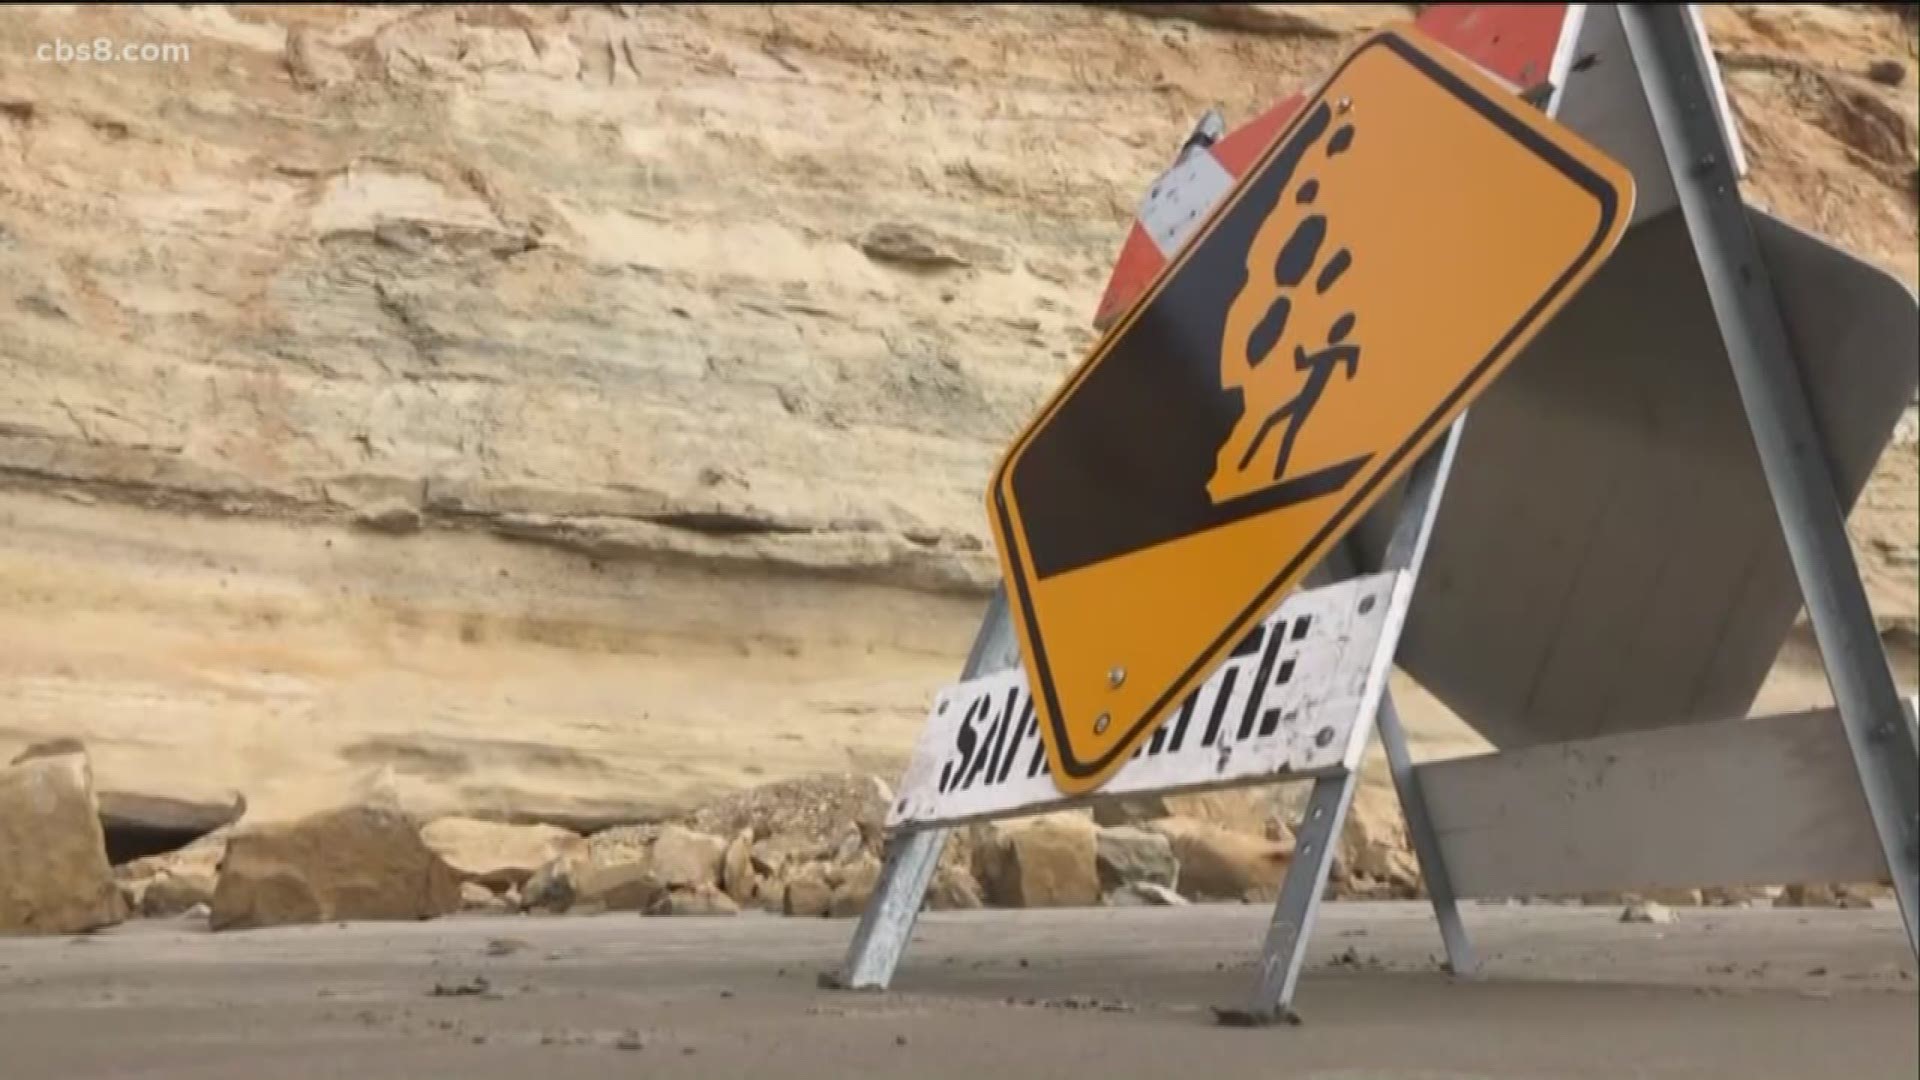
{"x": 1285, "y": 950}
{"x": 887, "y": 923}
{"x": 1812, "y": 516}
{"x": 1315, "y": 843}
{"x": 1426, "y": 843}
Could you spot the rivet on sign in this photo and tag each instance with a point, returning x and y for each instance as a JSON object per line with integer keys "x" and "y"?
{"x": 1100, "y": 724}
{"x": 1323, "y": 736}
{"x": 1344, "y": 104}
{"x": 1116, "y": 677}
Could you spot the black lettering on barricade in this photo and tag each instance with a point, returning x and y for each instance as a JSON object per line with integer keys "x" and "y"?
{"x": 1180, "y": 725}
{"x": 1038, "y": 763}
{"x": 1220, "y": 707}
{"x": 1258, "y": 690}
{"x": 1027, "y": 728}
{"x": 995, "y": 738}
{"x": 1250, "y": 644}
{"x": 964, "y": 742}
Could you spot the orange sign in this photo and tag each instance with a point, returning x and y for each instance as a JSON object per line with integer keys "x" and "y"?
{"x": 1381, "y": 263}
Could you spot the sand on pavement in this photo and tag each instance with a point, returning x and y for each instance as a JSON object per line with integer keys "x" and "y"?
{"x": 1108, "y": 993}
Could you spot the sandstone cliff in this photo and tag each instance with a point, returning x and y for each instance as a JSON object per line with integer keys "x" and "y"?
{"x": 582, "y": 410}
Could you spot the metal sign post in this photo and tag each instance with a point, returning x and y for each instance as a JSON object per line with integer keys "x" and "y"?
{"x": 1678, "y": 86}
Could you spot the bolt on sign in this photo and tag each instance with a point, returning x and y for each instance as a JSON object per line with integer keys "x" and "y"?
{"x": 1398, "y": 244}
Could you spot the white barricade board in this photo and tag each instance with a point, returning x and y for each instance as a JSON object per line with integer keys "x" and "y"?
{"x": 1284, "y": 705}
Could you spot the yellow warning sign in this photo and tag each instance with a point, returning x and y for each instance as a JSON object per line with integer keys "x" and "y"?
{"x": 1384, "y": 260}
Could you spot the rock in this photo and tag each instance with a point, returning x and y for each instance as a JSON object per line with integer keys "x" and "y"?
{"x": 1251, "y": 811}
{"x": 1124, "y": 855}
{"x": 494, "y": 855}
{"x": 1144, "y": 894}
{"x": 1647, "y": 912}
{"x": 737, "y": 875}
{"x": 139, "y": 825}
{"x": 799, "y": 820}
{"x": 173, "y": 883}
{"x": 701, "y": 900}
{"x": 355, "y": 862}
{"x": 477, "y": 897}
{"x": 808, "y": 896}
{"x": 1801, "y": 894}
{"x": 168, "y": 894}
{"x": 852, "y": 886}
{"x": 953, "y": 889}
{"x": 1887, "y": 72}
{"x": 1734, "y": 895}
{"x": 132, "y": 893}
{"x": 1674, "y": 898}
{"x": 1216, "y": 864}
{"x": 1042, "y": 862}
{"x": 551, "y": 887}
{"x": 54, "y": 875}
{"x": 1114, "y": 811}
{"x": 627, "y": 886}
{"x": 772, "y": 856}
{"x": 684, "y": 859}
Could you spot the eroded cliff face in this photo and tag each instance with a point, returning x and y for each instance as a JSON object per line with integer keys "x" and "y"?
{"x": 581, "y": 410}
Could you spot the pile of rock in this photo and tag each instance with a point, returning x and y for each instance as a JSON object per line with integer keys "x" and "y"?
{"x": 803, "y": 848}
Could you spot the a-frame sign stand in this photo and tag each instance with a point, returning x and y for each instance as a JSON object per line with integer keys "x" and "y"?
{"x": 1821, "y": 765}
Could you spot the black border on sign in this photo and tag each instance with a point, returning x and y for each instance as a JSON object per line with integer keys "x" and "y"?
{"x": 1582, "y": 176}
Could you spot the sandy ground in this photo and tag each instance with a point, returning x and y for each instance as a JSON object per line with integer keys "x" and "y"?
{"x": 1109, "y": 993}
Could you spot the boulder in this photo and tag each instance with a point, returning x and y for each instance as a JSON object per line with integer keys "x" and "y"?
{"x": 169, "y": 894}
{"x": 684, "y": 859}
{"x": 737, "y": 875}
{"x": 494, "y": 855}
{"x": 953, "y": 889}
{"x": 1124, "y": 854}
{"x": 173, "y": 883}
{"x": 1217, "y": 864}
{"x": 1735, "y": 895}
{"x": 551, "y": 887}
{"x": 852, "y": 886}
{"x": 1647, "y": 911}
{"x": 54, "y": 875}
{"x": 477, "y": 897}
{"x": 357, "y": 862}
{"x": 1042, "y": 862}
{"x": 141, "y": 824}
{"x": 1145, "y": 894}
{"x": 1804, "y": 895}
{"x": 627, "y": 886}
{"x": 807, "y": 896}
{"x": 773, "y": 855}
{"x": 701, "y": 900}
